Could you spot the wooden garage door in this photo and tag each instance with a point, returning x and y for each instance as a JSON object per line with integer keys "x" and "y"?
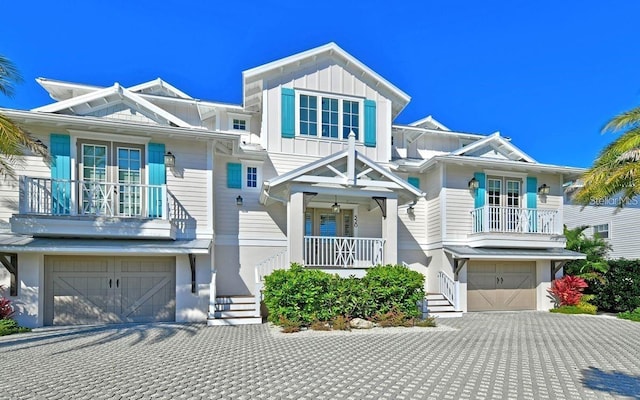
{"x": 501, "y": 286}
{"x": 85, "y": 290}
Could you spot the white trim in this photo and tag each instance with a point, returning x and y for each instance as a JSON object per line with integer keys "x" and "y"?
{"x": 109, "y": 137}
{"x": 495, "y": 137}
{"x": 162, "y": 84}
{"x": 255, "y": 164}
{"x": 429, "y": 119}
{"x": 506, "y": 174}
{"x": 319, "y": 95}
{"x": 243, "y": 117}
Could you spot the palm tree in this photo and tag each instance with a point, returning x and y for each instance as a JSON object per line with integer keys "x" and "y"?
{"x": 616, "y": 171}
{"x": 595, "y": 249}
{"x": 13, "y": 140}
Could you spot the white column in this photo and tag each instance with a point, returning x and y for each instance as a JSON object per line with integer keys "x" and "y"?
{"x": 390, "y": 232}
{"x": 295, "y": 227}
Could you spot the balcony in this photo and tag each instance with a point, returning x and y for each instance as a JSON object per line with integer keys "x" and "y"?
{"x": 494, "y": 226}
{"x": 73, "y": 208}
{"x": 342, "y": 252}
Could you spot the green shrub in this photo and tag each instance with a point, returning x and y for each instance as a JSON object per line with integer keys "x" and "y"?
{"x": 619, "y": 289}
{"x": 9, "y": 326}
{"x": 289, "y": 326}
{"x": 394, "y": 287}
{"x": 580, "y": 308}
{"x": 631, "y": 315}
{"x": 303, "y": 296}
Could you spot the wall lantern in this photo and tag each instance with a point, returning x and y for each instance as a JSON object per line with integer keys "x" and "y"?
{"x": 335, "y": 208}
{"x": 544, "y": 189}
{"x": 169, "y": 160}
{"x": 474, "y": 184}
{"x": 239, "y": 200}
{"x": 411, "y": 211}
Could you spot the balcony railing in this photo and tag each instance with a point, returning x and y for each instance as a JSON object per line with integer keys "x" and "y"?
{"x": 342, "y": 252}
{"x": 515, "y": 220}
{"x": 58, "y": 197}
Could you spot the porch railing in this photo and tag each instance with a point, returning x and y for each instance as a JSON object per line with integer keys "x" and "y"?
{"x": 264, "y": 268}
{"x": 46, "y": 196}
{"x": 515, "y": 220}
{"x": 342, "y": 252}
{"x": 450, "y": 289}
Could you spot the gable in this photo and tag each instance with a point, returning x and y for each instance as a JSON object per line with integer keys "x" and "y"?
{"x": 326, "y": 68}
{"x": 123, "y": 112}
{"x": 494, "y": 146}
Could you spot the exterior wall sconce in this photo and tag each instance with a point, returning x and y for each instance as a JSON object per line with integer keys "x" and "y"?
{"x": 41, "y": 145}
{"x": 474, "y": 184}
{"x": 239, "y": 201}
{"x": 169, "y": 160}
{"x": 411, "y": 211}
{"x": 544, "y": 189}
{"x": 335, "y": 208}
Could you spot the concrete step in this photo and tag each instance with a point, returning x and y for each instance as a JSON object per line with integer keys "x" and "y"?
{"x": 440, "y": 308}
{"x": 446, "y": 314}
{"x": 435, "y": 296}
{"x": 438, "y": 302}
{"x": 235, "y": 306}
{"x": 235, "y": 300}
{"x": 234, "y": 321}
{"x": 235, "y": 314}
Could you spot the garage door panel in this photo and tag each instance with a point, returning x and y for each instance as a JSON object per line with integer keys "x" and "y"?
{"x": 86, "y": 290}
{"x": 501, "y": 286}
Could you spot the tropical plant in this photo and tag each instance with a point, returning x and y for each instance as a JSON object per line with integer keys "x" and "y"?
{"x": 616, "y": 170}
{"x": 594, "y": 248}
{"x": 567, "y": 291}
{"x": 619, "y": 290}
{"x": 13, "y": 140}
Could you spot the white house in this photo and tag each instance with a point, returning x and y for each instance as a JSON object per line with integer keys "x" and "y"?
{"x": 161, "y": 207}
{"x": 619, "y": 226}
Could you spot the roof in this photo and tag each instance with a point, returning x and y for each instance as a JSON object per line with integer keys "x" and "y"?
{"x": 490, "y": 253}
{"x": 252, "y": 89}
{"x": 28, "y": 244}
{"x": 499, "y": 143}
{"x": 429, "y": 122}
{"x": 111, "y": 95}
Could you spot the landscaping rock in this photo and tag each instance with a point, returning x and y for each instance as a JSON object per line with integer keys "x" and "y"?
{"x": 359, "y": 323}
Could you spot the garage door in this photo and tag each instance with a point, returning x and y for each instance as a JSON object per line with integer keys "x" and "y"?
{"x": 501, "y": 286}
{"x": 86, "y": 290}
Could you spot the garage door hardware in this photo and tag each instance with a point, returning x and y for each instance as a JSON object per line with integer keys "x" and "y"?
{"x": 499, "y": 280}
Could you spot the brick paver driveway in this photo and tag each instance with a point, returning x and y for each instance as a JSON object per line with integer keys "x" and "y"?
{"x": 502, "y": 355}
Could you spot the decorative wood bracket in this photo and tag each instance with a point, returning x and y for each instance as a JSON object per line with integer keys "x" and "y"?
{"x": 10, "y": 262}
{"x": 555, "y": 267}
{"x": 308, "y": 196}
{"x": 458, "y": 264}
{"x": 192, "y": 264}
{"x": 382, "y": 203}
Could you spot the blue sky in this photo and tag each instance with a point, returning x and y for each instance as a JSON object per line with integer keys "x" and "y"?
{"x": 548, "y": 74}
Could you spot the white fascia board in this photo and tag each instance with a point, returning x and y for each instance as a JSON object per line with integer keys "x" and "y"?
{"x": 438, "y": 132}
{"x": 114, "y": 126}
{"x": 493, "y": 163}
{"x": 74, "y": 101}
{"x": 293, "y": 174}
{"x": 494, "y": 138}
{"x": 52, "y": 86}
{"x": 162, "y": 84}
{"x": 430, "y": 120}
{"x": 391, "y": 176}
{"x": 139, "y": 101}
{"x": 328, "y": 49}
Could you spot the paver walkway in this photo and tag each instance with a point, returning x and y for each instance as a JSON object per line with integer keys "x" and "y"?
{"x": 527, "y": 355}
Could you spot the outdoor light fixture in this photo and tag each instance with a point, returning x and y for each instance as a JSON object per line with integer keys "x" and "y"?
{"x": 474, "y": 184}
{"x": 239, "y": 201}
{"x": 544, "y": 189}
{"x": 41, "y": 145}
{"x": 411, "y": 211}
{"x": 335, "y": 208}
{"x": 169, "y": 160}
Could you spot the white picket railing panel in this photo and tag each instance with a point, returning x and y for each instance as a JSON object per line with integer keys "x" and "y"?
{"x": 515, "y": 220}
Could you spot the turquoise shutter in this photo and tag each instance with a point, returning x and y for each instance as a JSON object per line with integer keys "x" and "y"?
{"x": 157, "y": 176}
{"x": 482, "y": 189}
{"x": 234, "y": 176}
{"x": 532, "y": 199}
{"x": 414, "y": 181}
{"x": 60, "y": 173}
{"x": 288, "y": 113}
{"x": 370, "y": 123}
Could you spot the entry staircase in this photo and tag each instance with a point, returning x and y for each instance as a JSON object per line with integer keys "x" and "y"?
{"x": 235, "y": 310}
{"x": 443, "y": 304}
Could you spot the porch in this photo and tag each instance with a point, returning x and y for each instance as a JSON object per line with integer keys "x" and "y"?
{"x": 80, "y": 208}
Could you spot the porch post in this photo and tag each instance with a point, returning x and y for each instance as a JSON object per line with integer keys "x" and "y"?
{"x": 295, "y": 227}
{"x": 390, "y": 232}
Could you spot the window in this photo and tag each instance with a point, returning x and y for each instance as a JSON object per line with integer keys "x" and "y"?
{"x": 308, "y": 115}
{"x": 335, "y": 115}
{"x": 252, "y": 177}
{"x": 601, "y": 231}
{"x": 239, "y": 124}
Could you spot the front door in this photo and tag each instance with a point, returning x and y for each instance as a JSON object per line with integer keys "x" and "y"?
{"x": 326, "y": 232}
{"x": 503, "y": 198}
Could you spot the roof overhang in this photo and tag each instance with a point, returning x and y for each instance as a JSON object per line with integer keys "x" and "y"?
{"x": 486, "y": 253}
{"x": 27, "y": 244}
{"x": 499, "y": 143}
{"x": 252, "y": 78}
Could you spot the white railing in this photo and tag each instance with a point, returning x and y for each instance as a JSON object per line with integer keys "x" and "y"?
{"x": 46, "y": 196}
{"x": 264, "y": 268}
{"x": 515, "y": 220}
{"x": 450, "y": 289}
{"x": 342, "y": 252}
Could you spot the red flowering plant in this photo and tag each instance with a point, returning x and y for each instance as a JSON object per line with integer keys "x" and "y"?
{"x": 567, "y": 291}
{"x": 6, "y": 309}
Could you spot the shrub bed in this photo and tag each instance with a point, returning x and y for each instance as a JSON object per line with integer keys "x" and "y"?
{"x": 619, "y": 288}
{"x": 631, "y": 315}
{"x": 302, "y": 297}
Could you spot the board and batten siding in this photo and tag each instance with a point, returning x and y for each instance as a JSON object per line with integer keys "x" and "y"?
{"x": 325, "y": 77}
{"x": 122, "y": 112}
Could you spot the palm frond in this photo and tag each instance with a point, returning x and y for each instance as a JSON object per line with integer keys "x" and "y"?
{"x": 13, "y": 143}
{"x": 9, "y": 75}
{"x": 627, "y": 119}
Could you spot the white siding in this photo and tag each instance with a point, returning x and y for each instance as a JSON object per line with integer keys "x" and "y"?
{"x": 333, "y": 79}
{"x": 624, "y": 226}
{"x": 124, "y": 113}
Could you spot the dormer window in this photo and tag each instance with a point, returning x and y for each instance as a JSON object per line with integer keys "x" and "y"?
{"x": 336, "y": 116}
{"x": 239, "y": 124}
